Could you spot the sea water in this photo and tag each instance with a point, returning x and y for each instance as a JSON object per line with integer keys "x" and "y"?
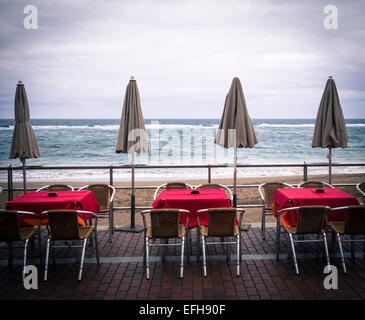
{"x": 174, "y": 142}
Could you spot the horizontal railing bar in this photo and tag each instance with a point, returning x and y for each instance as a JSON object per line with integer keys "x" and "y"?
{"x": 139, "y": 166}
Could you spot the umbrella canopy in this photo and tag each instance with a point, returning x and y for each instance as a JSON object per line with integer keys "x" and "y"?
{"x": 330, "y": 128}
{"x": 235, "y": 129}
{"x": 24, "y": 144}
{"x": 235, "y": 119}
{"x": 132, "y": 136}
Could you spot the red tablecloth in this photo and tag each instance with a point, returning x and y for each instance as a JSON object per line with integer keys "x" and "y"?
{"x": 294, "y": 197}
{"x": 183, "y": 199}
{"x": 38, "y": 202}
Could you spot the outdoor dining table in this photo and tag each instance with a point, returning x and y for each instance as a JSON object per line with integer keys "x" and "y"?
{"x": 294, "y": 197}
{"x": 184, "y": 199}
{"x": 38, "y": 202}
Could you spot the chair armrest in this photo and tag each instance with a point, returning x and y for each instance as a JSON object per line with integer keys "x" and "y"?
{"x": 157, "y": 189}
{"x": 113, "y": 194}
{"x": 83, "y": 188}
{"x": 261, "y": 194}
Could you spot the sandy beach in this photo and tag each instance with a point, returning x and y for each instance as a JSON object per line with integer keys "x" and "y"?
{"x": 245, "y": 195}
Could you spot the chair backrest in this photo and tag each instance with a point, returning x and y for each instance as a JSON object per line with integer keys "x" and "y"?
{"x": 177, "y": 185}
{"x": 9, "y": 226}
{"x": 311, "y": 219}
{"x": 57, "y": 187}
{"x": 269, "y": 191}
{"x": 101, "y": 193}
{"x": 165, "y": 223}
{"x": 355, "y": 220}
{"x": 221, "y": 222}
{"x": 64, "y": 224}
{"x": 314, "y": 184}
{"x": 361, "y": 188}
{"x": 216, "y": 186}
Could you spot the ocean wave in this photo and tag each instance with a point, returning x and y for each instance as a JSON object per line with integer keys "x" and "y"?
{"x": 307, "y": 125}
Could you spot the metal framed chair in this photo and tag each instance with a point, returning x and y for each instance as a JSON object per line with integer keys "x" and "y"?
{"x": 104, "y": 195}
{"x": 310, "y": 220}
{"x": 353, "y": 225}
{"x": 267, "y": 193}
{"x": 314, "y": 184}
{"x": 221, "y": 223}
{"x": 172, "y": 185}
{"x": 216, "y": 186}
{"x": 11, "y": 231}
{"x": 361, "y": 188}
{"x": 165, "y": 224}
{"x": 64, "y": 226}
{"x": 56, "y": 187}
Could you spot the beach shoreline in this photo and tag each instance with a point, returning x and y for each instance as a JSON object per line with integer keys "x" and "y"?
{"x": 245, "y": 195}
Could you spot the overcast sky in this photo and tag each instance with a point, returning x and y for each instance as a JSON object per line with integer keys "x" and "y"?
{"x": 184, "y": 55}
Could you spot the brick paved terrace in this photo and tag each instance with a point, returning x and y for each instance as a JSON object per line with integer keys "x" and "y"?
{"x": 121, "y": 274}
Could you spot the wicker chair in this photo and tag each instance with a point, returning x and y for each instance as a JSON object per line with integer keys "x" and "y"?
{"x": 216, "y": 186}
{"x": 310, "y": 220}
{"x": 104, "y": 195}
{"x": 11, "y": 231}
{"x": 64, "y": 226}
{"x": 361, "y": 188}
{"x": 165, "y": 224}
{"x": 314, "y": 184}
{"x": 221, "y": 223}
{"x": 172, "y": 185}
{"x": 267, "y": 193}
{"x": 353, "y": 225}
{"x": 56, "y": 187}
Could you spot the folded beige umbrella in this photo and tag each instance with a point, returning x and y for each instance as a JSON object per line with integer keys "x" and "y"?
{"x": 132, "y": 136}
{"x": 24, "y": 144}
{"x": 330, "y": 128}
{"x": 236, "y": 129}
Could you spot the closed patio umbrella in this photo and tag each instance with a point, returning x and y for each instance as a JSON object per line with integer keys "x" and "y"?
{"x": 330, "y": 128}
{"x": 24, "y": 144}
{"x": 132, "y": 137}
{"x": 235, "y": 129}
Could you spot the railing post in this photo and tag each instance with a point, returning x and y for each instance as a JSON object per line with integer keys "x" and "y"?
{"x": 111, "y": 205}
{"x": 111, "y": 175}
{"x": 305, "y": 172}
{"x": 10, "y": 183}
{"x": 209, "y": 174}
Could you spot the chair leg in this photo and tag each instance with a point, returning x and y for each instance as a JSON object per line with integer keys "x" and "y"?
{"x": 326, "y": 250}
{"x": 147, "y": 260}
{"x": 238, "y": 256}
{"x": 46, "y": 263}
{"x": 188, "y": 251}
{"x": 317, "y": 253}
{"x": 82, "y": 259}
{"x": 25, "y": 258}
{"x": 263, "y": 222}
{"x": 341, "y": 252}
{"x": 277, "y": 239}
{"x": 182, "y": 258}
{"x": 204, "y": 258}
{"x": 294, "y": 254}
{"x": 110, "y": 226}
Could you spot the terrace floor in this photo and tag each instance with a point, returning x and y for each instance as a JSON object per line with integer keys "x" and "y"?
{"x": 121, "y": 273}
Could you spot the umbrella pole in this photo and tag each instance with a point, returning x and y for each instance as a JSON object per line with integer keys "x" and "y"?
{"x": 330, "y": 166}
{"x": 133, "y": 197}
{"x": 235, "y": 178}
{"x": 24, "y": 176}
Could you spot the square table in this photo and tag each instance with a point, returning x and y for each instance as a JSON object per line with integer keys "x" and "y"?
{"x": 184, "y": 199}
{"x": 295, "y": 197}
{"x": 38, "y": 202}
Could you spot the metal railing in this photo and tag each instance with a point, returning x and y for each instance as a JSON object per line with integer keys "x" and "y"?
{"x": 111, "y": 168}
